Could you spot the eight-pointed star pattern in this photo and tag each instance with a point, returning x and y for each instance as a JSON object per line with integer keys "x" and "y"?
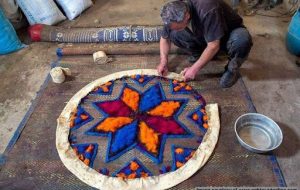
{"x": 139, "y": 120}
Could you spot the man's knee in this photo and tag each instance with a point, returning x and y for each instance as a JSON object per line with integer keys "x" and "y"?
{"x": 180, "y": 38}
{"x": 239, "y": 43}
{"x": 186, "y": 40}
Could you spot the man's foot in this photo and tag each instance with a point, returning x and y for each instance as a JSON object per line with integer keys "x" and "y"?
{"x": 219, "y": 56}
{"x": 193, "y": 58}
{"x": 229, "y": 78}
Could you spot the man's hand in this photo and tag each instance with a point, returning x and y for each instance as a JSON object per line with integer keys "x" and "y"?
{"x": 210, "y": 51}
{"x": 189, "y": 73}
{"x": 162, "y": 69}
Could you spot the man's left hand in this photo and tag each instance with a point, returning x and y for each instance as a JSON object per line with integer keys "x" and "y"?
{"x": 189, "y": 73}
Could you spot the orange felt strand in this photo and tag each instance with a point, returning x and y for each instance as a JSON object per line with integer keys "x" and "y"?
{"x": 179, "y": 164}
{"x": 143, "y": 174}
{"x": 148, "y": 137}
{"x": 86, "y": 161}
{"x": 105, "y": 89}
{"x": 195, "y": 117}
{"x": 81, "y": 157}
{"x": 188, "y": 87}
{"x": 111, "y": 124}
{"x": 90, "y": 148}
{"x": 121, "y": 175}
{"x": 179, "y": 150}
{"x": 131, "y": 98}
{"x": 134, "y": 166}
{"x": 131, "y": 176}
{"x": 83, "y": 116}
{"x": 165, "y": 109}
{"x": 72, "y": 122}
{"x": 177, "y": 88}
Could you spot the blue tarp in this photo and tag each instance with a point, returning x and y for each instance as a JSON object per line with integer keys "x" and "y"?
{"x": 9, "y": 41}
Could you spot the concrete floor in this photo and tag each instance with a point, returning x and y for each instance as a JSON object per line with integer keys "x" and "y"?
{"x": 273, "y": 81}
{"x": 22, "y": 74}
{"x": 270, "y": 74}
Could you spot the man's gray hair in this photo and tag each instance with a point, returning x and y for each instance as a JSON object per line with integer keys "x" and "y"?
{"x": 173, "y": 11}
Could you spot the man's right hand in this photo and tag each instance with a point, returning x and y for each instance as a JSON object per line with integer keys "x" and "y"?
{"x": 162, "y": 69}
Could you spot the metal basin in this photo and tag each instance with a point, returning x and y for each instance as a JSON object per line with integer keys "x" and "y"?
{"x": 257, "y": 132}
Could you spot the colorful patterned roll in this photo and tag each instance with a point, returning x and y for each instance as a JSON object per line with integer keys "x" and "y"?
{"x": 96, "y": 35}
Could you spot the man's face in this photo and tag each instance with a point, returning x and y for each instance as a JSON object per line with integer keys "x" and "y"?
{"x": 178, "y": 26}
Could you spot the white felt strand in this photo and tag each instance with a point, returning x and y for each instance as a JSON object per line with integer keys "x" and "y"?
{"x": 58, "y": 74}
{"x": 100, "y": 57}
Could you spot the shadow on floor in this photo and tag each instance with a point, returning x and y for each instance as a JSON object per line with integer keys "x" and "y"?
{"x": 262, "y": 73}
{"x": 290, "y": 144}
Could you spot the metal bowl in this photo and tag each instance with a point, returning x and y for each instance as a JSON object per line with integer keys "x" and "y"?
{"x": 257, "y": 133}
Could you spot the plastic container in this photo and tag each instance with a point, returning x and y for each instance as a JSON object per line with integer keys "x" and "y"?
{"x": 293, "y": 35}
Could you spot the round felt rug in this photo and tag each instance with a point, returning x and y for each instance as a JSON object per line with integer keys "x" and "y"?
{"x": 136, "y": 130}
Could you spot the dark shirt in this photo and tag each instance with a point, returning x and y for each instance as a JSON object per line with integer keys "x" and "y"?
{"x": 210, "y": 20}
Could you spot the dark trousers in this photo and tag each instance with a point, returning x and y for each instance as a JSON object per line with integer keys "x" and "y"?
{"x": 237, "y": 46}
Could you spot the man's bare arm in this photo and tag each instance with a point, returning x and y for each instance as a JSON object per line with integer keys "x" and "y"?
{"x": 165, "y": 46}
{"x": 209, "y": 52}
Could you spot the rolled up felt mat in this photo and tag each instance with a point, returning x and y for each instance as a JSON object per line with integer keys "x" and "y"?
{"x": 96, "y": 35}
{"x": 114, "y": 49}
{"x": 35, "y": 32}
